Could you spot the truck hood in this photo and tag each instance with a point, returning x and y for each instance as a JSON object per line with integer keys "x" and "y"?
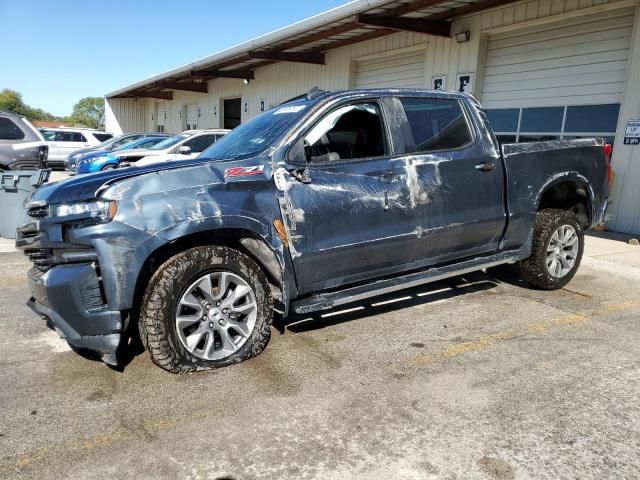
{"x": 85, "y": 187}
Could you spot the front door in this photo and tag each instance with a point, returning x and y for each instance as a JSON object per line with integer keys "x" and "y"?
{"x": 348, "y": 223}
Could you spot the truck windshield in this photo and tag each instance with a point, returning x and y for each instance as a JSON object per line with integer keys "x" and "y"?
{"x": 256, "y": 136}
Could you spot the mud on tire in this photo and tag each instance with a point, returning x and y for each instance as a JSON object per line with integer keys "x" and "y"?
{"x": 157, "y": 323}
{"x": 534, "y": 269}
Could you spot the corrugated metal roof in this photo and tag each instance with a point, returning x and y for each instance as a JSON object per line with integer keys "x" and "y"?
{"x": 315, "y": 35}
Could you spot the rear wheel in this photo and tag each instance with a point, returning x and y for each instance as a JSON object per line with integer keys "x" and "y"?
{"x": 558, "y": 245}
{"x": 205, "y": 308}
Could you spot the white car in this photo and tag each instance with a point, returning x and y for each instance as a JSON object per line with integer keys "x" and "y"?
{"x": 185, "y": 145}
{"x": 63, "y": 141}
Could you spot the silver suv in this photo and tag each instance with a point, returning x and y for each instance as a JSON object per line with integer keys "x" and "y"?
{"x": 22, "y": 146}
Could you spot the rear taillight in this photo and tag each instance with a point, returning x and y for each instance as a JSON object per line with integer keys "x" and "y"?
{"x": 607, "y": 148}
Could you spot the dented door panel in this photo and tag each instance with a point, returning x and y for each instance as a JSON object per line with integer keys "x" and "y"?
{"x": 351, "y": 222}
{"x": 461, "y": 209}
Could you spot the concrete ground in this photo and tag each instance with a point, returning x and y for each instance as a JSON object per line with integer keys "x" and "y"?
{"x": 477, "y": 377}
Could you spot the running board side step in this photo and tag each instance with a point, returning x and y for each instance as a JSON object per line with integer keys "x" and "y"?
{"x": 326, "y": 301}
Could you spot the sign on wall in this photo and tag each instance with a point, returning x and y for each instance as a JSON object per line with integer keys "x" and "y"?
{"x": 439, "y": 82}
{"x": 632, "y": 133}
{"x": 464, "y": 82}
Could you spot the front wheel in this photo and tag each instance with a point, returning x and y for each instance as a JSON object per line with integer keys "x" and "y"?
{"x": 108, "y": 167}
{"x": 207, "y": 307}
{"x": 558, "y": 245}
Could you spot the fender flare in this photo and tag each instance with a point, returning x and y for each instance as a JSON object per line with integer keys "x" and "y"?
{"x": 571, "y": 176}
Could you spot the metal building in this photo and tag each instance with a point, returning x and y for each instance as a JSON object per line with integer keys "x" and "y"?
{"x": 544, "y": 69}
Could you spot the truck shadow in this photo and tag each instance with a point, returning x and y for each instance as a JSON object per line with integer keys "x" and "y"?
{"x": 422, "y": 295}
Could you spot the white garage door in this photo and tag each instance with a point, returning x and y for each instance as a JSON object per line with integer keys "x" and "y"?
{"x": 192, "y": 116}
{"x": 400, "y": 71}
{"x": 558, "y": 80}
{"x": 161, "y": 116}
{"x": 567, "y": 63}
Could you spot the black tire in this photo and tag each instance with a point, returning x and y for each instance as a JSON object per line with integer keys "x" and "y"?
{"x": 108, "y": 167}
{"x": 534, "y": 269}
{"x": 157, "y": 326}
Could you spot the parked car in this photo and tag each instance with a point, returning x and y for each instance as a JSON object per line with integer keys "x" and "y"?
{"x": 317, "y": 203}
{"x": 108, "y": 145}
{"x": 63, "y": 141}
{"x": 185, "y": 145}
{"x": 22, "y": 146}
{"x": 101, "y": 160}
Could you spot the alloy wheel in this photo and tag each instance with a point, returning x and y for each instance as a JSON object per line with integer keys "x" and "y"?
{"x": 216, "y": 315}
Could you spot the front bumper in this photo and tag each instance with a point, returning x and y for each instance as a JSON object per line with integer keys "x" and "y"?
{"x": 69, "y": 297}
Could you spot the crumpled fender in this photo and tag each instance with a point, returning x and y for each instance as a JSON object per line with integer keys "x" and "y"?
{"x": 167, "y": 205}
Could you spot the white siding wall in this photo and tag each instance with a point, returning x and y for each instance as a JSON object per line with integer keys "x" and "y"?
{"x": 626, "y": 158}
{"x": 279, "y": 82}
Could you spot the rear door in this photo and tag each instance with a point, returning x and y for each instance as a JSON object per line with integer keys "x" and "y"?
{"x": 457, "y": 183}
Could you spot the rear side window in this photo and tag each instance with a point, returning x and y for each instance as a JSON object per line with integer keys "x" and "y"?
{"x": 66, "y": 137}
{"x": 436, "y": 124}
{"x": 9, "y": 130}
{"x": 125, "y": 140}
{"x": 200, "y": 143}
{"x": 102, "y": 137}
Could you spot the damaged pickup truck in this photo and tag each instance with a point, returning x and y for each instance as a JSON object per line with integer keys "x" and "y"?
{"x": 324, "y": 200}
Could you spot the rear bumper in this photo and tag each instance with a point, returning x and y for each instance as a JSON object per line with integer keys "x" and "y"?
{"x": 68, "y": 296}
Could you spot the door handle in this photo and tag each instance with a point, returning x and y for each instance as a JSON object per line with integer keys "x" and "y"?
{"x": 388, "y": 178}
{"x": 486, "y": 166}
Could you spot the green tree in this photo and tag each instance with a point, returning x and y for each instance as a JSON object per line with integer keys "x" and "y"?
{"x": 89, "y": 111}
{"x": 11, "y": 101}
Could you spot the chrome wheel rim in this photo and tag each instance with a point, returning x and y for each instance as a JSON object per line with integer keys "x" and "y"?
{"x": 216, "y": 315}
{"x": 562, "y": 251}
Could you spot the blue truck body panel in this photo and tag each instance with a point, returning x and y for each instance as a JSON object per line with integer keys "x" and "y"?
{"x": 347, "y": 222}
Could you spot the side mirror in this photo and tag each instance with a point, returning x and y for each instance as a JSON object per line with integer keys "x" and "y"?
{"x": 184, "y": 150}
{"x": 298, "y": 154}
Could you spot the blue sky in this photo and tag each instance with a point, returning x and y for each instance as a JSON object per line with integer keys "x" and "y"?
{"x": 57, "y": 51}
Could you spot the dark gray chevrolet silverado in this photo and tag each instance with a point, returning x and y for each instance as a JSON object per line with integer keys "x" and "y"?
{"x": 321, "y": 201}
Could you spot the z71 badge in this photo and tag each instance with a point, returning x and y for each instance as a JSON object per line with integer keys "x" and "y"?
{"x": 244, "y": 171}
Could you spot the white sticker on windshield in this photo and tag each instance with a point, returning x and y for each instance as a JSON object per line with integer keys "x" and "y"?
{"x": 291, "y": 109}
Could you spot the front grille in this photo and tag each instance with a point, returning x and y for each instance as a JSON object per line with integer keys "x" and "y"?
{"x": 41, "y": 258}
{"x": 38, "y": 212}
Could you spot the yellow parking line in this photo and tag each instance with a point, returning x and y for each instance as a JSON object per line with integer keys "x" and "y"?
{"x": 538, "y": 327}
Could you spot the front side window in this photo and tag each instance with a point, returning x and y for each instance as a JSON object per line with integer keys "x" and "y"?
{"x": 349, "y": 132}
{"x": 9, "y": 130}
{"x": 49, "y": 135}
{"x": 69, "y": 137}
{"x": 436, "y": 124}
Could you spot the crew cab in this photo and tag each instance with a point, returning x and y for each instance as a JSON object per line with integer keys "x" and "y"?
{"x": 322, "y": 201}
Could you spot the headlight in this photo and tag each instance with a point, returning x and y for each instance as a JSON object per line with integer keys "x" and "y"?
{"x": 98, "y": 209}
